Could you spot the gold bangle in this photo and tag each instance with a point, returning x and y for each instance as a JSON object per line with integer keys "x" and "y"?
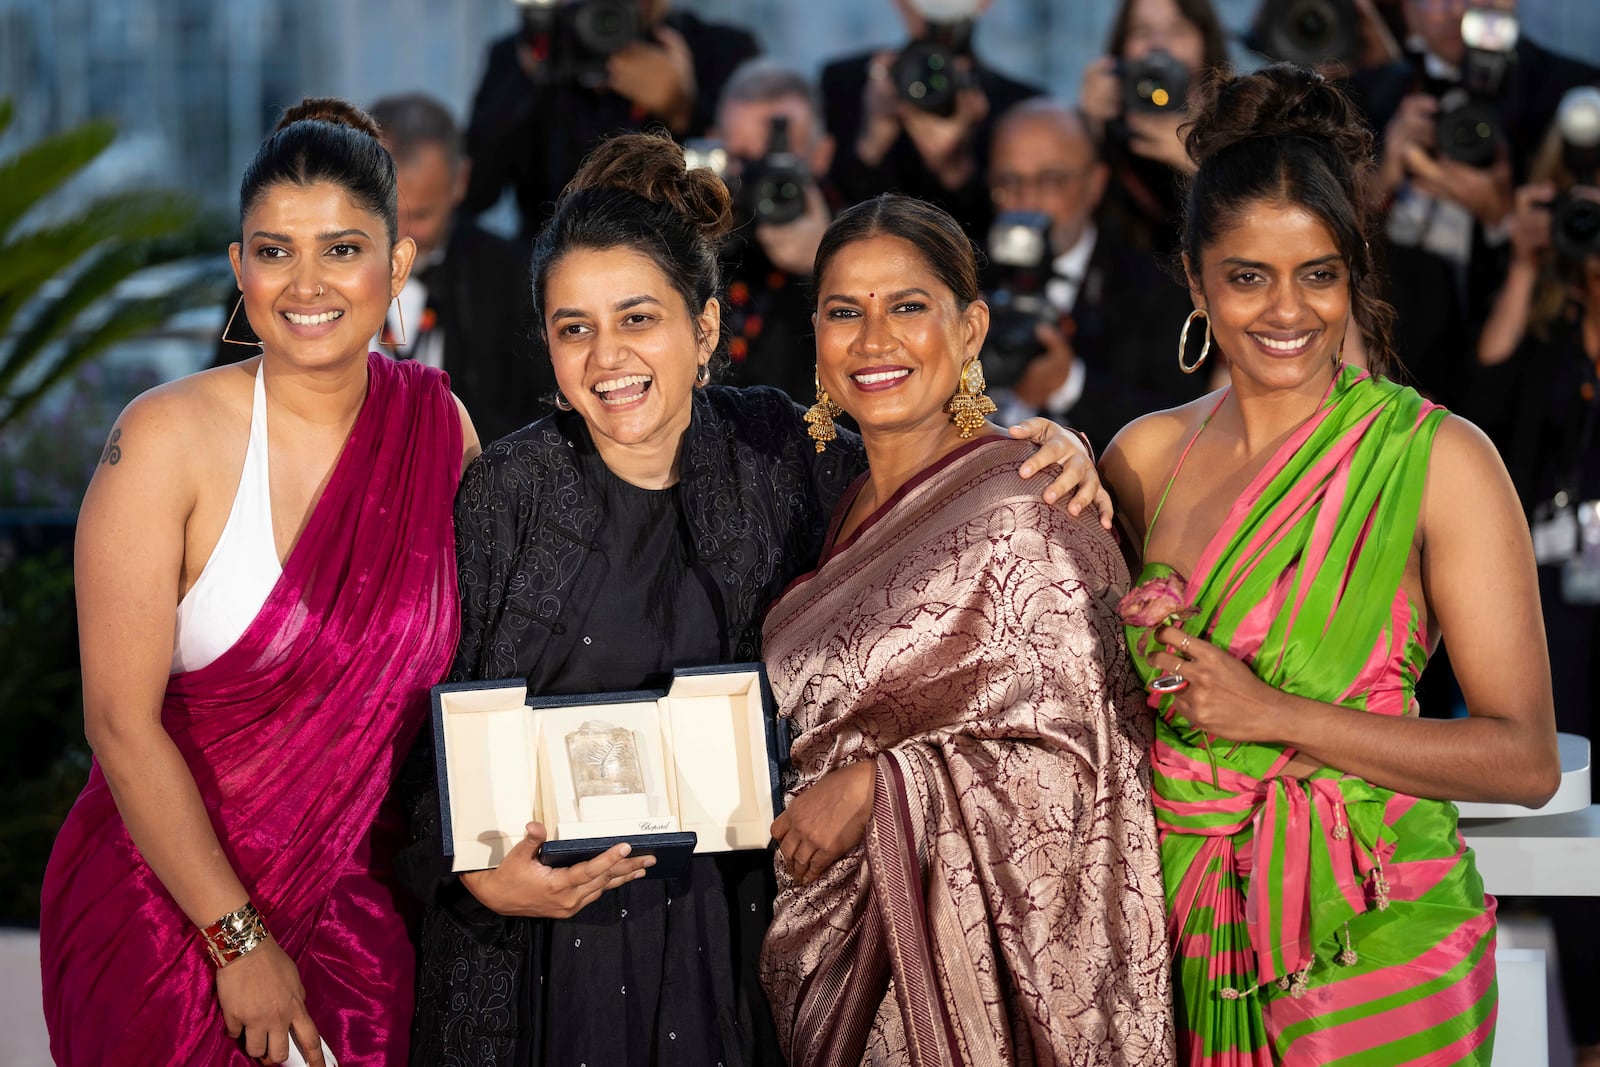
{"x": 233, "y": 935}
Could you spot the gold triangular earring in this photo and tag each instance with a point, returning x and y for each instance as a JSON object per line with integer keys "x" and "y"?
{"x": 401, "y": 315}
{"x": 257, "y": 343}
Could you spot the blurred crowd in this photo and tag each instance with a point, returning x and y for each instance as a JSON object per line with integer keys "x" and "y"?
{"x": 1487, "y": 176}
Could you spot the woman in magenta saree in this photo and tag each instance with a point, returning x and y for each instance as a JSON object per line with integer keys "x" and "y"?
{"x": 1302, "y": 553}
{"x": 969, "y": 872}
{"x": 262, "y": 769}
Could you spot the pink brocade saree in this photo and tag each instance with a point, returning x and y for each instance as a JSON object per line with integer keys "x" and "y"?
{"x": 294, "y": 736}
{"x": 1005, "y": 903}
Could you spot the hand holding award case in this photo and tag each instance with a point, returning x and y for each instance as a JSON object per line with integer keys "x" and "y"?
{"x": 693, "y": 768}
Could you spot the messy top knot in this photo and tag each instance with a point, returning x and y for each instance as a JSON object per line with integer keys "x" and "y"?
{"x": 1285, "y": 134}
{"x": 633, "y": 191}
{"x": 323, "y": 139}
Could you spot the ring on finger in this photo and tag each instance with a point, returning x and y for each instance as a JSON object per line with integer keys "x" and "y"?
{"x": 1168, "y": 683}
{"x": 1183, "y": 646}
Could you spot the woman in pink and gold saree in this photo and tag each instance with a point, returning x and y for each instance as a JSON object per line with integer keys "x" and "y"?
{"x": 968, "y": 870}
{"x": 258, "y": 641}
{"x": 1309, "y": 533}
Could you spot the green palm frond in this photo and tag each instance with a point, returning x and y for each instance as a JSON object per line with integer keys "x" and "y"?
{"x": 61, "y": 303}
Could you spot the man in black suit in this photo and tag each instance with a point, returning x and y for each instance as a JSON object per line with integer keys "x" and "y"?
{"x": 1114, "y": 356}
{"x": 468, "y": 305}
{"x": 534, "y": 117}
{"x": 888, "y": 143}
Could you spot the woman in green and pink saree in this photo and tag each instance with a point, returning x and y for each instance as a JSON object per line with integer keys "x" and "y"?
{"x": 1309, "y": 534}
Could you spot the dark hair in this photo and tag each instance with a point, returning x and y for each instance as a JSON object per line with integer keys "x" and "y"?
{"x": 1285, "y": 134}
{"x": 944, "y": 245}
{"x": 1198, "y": 13}
{"x": 633, "y": 192}
{"x": 411, "y": 121}
{"x": 322, "y": 139}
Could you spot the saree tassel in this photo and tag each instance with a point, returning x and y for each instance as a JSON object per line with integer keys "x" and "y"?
{"x": 1380, "y": 884}
{"x": 1347, "y": 955}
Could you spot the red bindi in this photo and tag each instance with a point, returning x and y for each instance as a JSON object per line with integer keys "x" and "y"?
{"x": 871, "y": 295}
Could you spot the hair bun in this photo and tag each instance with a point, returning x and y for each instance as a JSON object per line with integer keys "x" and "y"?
{"x": 329, "y": 109}
{"x": 651, "y": 166}
{"x": 1282, "y": 100}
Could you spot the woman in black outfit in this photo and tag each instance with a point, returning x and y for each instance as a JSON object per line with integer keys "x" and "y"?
{"x": 644, "y": 527}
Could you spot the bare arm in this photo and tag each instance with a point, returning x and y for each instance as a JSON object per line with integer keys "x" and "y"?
{"x": 1508, "y": 317}
{"x": 470, "y": 446}
{"x": 129, "y": 556}
{"x": 1480, "y": 584}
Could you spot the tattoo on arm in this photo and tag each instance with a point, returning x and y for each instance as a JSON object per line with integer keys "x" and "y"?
{"x": 113, "y": 451}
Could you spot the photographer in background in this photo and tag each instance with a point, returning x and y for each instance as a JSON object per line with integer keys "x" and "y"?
{"x": 578, "y": 71}
{"x": 1086, "y": 333}
{"x": 769, "y": 122}
{"x": 1133, "y": 99}
{"x": 1538, "y": 396}
{"x": 919, "y": 121}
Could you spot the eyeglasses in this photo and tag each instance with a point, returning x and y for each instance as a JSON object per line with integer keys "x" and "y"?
{"x": 1004, "y": 187}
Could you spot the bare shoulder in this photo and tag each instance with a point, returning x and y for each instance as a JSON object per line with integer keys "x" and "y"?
{"x": 1141, "y": 456}
{"x": 1466, "y": 476}
{"x": 176, "y": 429}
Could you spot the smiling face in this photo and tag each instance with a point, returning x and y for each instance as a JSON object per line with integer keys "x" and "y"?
{"x": 298, "y": 239}
{"x": 626, "y": 352}
{"x": 1278, "y": 295}
{"x": 890, "y": 337}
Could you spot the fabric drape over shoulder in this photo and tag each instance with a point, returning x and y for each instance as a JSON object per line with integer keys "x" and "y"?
{"x": 293, "y": 736}
{"x": 1369, "y": 939}
{"x": 1004, "y": 906}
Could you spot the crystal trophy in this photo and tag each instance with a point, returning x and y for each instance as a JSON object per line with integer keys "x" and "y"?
{"x": 606, "y": 776}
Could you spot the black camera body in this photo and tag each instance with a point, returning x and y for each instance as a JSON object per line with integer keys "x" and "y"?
{"x": 1575, "y": 227}
{"x": 1019, "y": 258}
{"x": 1156, "y": 83}
{"x": 926, "y": 73}
{"x": 772, "y": 189}
{"x": 1468, "y": 128}
{"x": 574, "y": 38}
{"x": 1309, "y": 32}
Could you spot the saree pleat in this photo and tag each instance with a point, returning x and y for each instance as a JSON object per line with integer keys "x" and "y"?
{"x": 293, "y": 735}
{"x": 1004, "y": 904}
{"x": 1319, "y": 919}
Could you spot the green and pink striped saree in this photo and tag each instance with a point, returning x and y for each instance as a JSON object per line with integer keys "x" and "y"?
{"x": 1323, "y": 919}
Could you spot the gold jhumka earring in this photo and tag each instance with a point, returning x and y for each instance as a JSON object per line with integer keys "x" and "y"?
{"x": 820, "y": 416}
{"x": 969, "y": 408}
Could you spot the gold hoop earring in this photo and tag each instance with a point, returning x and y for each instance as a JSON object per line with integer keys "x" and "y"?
{"x": 820, "y": 416}
{"x": 257, "y": 343}
{"x": 398, "y": 314}
{"x": 1183, "y": 342}
{"x": 969, "y": 408}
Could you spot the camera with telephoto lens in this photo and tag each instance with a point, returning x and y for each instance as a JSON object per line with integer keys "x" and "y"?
{"x": 1575, "y": 219}
{"x": 1155, "y": 83}
{"x": 1019, "y": 269}
{"x": 1468, "y": 128}
{"x": 1308, "y": 32}
{"x": 927, "y": 73}
{"x": 574, "y": 38}
{"x": 772, "y": 189}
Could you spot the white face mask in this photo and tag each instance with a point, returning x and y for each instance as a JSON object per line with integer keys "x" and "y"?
{"x": 947, "y": 10}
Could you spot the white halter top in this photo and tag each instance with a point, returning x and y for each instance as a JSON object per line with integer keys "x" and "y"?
{"x": 244, "y": 566}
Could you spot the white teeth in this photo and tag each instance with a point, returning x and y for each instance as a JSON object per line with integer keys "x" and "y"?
{"x": 621, "y": 383}
{"x": 1284, "y": 346}
{"x": 312, "y": 320}
{"x": 881, "y": 376}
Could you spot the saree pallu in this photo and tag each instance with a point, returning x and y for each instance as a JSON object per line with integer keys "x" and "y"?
{"x": 1004, "y": 905}
{"x": 293, "y": 735}
{"x": 1319, "y": 919}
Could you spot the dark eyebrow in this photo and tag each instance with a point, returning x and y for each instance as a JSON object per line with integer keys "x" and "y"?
{"x": 1235, "y": 261}
{"x": 331, "y": 235}
{"x": 893, "y": 298}
{"x": 634, "y": 301}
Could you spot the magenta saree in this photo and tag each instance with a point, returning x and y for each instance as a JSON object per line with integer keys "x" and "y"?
{"x": 294, "y": 736}
{"x": 1005, "y": 904}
